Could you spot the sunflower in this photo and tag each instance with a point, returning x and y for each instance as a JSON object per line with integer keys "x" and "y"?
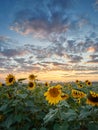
{"x": 31, "y": 85}
{"x": 77, "y": 81}
{"x": 69, "y": 86}
{"x": 59, "y": 86}
{"x": 78, "y": 100}
{"x": 92, "y": 98}
{"x": 64, "y": 96}
{"x": 88, "y": 83}
{"x": 53, "y": 94}
{"x": 46, "y": 84}
{"x": 32, "y": 77}
{"x": 78, "y": 94}
{"x": 10, "y": 79}
{"x": 80, "y": 85}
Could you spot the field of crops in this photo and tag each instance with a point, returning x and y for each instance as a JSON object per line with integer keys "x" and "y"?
{"x": 48, "y": 106}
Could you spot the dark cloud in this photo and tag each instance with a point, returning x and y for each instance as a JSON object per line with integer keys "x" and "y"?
{"x": 43, "y": 18}
{"x": 19, "y": 60}
{"x": 75, "y": 58}
{"x": 13, "y": 52}
{"x": 93, "y": 57}
{"x": 95, "y": 61}
{"x": 81, "y": 46}
{"x": 52, "y": 65}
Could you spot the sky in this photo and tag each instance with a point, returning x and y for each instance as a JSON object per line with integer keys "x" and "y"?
{"x": 57, "y": 40}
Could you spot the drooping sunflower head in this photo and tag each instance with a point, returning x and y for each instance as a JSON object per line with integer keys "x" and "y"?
{"x": 10, "y": 79}
{"x": 53, "y": 94}
{"x": 78, "y": 94}
{"x": 31, "y": 85}
{"x": 92, "y": 98}
{"x": 32, "y": 77}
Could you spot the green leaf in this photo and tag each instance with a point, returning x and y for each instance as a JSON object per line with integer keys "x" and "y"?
{"x": 9, "y": 121}
{"x": 18, "y": 117}
{"x": 3, "y": 107}
{"x": 70, "y": 115}
{"x": 63, "y": 104}
{"x": 84, "y": 114}
{"x": 26, "y": 127}
{"x": 50, "y": 116}
{"x": 19, "y": 80}
{"x": 43, "y": 128}
{"x": 34, "y": 129}
{"x": 23, "y": 96}
{"x": 93, "y": 126}
{"x": 56, "y": 127}
{"x": 12, "y": 128}
{"x": 64, "y": 126}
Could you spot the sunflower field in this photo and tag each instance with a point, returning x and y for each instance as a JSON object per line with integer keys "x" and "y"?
{"x": 48, "y": 106}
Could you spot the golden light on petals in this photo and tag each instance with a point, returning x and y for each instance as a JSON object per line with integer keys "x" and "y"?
{"x": 31, "y": 85}
{"x": 78, "y": 94}
{"x": 77, "y": 81}
{"x": 78, "y": 100}
{"x": 88, "y": 83}
{"x": 10, "y": 79}
{"x": 80, "y": 85}
{"x": 58, "y": 86}
{"x": 92, "y": 98}
{"x": 53, "y": 95}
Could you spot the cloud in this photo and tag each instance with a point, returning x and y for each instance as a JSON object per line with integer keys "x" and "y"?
{"x": 42, "y": 18}
{"x": 8, "y": 43}
{"x": 93, "y": 57}
{"x": 96, "y": 5}
{"x": 11, "y": 48}
{"x": 91, "y": 49}
{"x": 93, "y": 35}
{"x": 95, "y": 61}
{"x": 13, "y": 52}
{"x": 75, "y": 59}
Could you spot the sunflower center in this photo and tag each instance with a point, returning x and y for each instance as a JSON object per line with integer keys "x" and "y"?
{"x": 10, "y": 80}
{"x": 81, "y": 86}
{"x": 31, "y": 85}
{"x": 54, "y": 92}
{"x": 89, "y": 83}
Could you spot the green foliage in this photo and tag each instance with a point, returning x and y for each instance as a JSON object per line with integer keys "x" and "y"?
{"x": 22, "y": 109}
